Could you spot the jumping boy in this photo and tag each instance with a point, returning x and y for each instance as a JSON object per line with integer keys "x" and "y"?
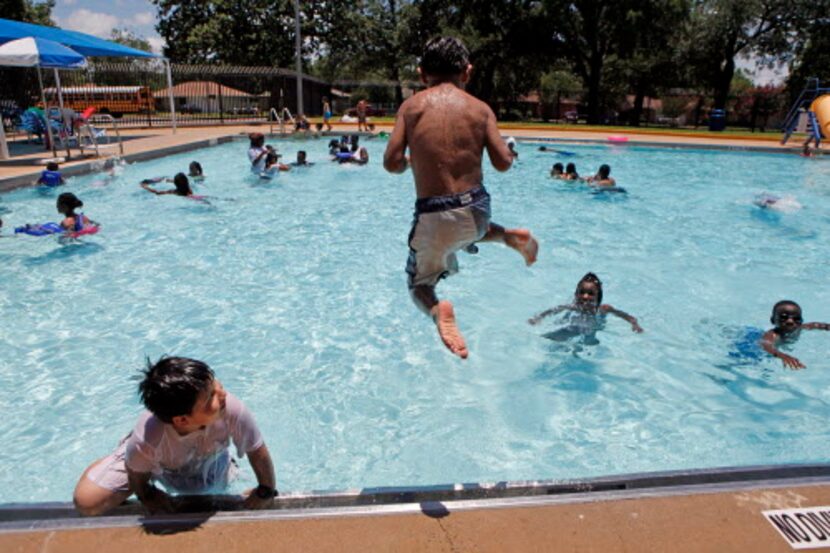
{"x": 786, "y": 316}
{"x": 181, "y": 441}
{"x": 447, "y": 131}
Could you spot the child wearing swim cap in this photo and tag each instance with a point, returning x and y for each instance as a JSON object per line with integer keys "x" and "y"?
{"x": 452, "y": 211}
{"x": 788, "y": 321}
{"x": 588, "y": 311}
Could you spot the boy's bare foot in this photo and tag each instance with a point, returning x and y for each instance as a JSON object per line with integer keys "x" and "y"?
{"x": 523, "y": 242}
{"x": 444, "y": 317}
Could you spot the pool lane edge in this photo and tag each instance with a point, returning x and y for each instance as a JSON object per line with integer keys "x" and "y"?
{"x": 435, "y": 501}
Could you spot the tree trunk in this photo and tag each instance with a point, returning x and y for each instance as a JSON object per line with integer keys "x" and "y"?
{"x": 637, "y": 111}
{"x": 724, "y": 82}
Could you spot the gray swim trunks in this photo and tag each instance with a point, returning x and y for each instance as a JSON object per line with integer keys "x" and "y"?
{"x": 442, "y": 226}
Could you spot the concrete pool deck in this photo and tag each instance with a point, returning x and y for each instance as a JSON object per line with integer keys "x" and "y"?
{"x": 710, "y": 515}
{"x": 140, "y": 144}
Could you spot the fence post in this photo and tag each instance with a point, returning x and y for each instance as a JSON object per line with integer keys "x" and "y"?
{"x": 170, "y": 94}
{"x": 221, "y": 107}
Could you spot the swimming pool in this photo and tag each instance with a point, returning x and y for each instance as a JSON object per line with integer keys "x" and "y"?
{"x": 294, "y": 292}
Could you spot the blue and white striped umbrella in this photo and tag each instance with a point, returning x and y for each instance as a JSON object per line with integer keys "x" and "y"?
{"x": 39, "y": 52}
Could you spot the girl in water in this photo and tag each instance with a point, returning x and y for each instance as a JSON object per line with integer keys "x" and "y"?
{"x": 180, "y": 181}
{"x": 73, "y": 222}
{"x": 586, "y": 313}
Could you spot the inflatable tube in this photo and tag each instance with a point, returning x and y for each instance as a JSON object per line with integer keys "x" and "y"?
{"x": 618, "y": 139}
{"x": 344, "y": 155}
{"x": 47, "y": 229}
{"x": 821, "y": 107}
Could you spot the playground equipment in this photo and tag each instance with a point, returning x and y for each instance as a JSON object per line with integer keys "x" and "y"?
{"x": 810, "y": 113}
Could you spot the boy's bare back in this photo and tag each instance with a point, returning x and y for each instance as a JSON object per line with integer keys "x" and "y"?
{"x": 447, "y": 130}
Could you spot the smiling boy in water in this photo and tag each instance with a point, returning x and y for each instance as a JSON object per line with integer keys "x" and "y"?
{"x": 447, "y": 131}
{"x": 786, "y": 316}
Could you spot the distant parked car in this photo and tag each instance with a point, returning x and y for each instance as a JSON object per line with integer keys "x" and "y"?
{"x": 571, "y": 116}
{"x": 245, "y": 110}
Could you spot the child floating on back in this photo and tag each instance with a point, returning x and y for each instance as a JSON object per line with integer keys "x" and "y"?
{"x": 786, "y": 316}
{"x": 587, "y": 312}
{"x": 447, "y": 131}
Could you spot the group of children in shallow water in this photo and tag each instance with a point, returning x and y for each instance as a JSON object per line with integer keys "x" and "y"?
{"x": 602, "y": 178}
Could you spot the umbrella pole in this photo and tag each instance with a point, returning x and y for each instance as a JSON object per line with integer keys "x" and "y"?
{"x": 46, "y": 113}
{"x": 60, "y": 103}
{"x": 4, "y": 149}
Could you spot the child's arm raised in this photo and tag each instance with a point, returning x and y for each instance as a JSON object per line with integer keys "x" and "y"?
{"x": 768, "y": 343}
{"x": 552, "y": 311}
{"x": 816, "y": 326}
{"x": 394, "y": 159}
{"x": 622, "y": 315}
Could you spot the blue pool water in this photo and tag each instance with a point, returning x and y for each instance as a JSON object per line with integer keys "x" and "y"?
{"x": 294, "y": 292}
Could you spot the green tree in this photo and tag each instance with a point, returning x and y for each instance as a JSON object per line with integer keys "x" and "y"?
{"x": 243, "y": 32}
{"x": 812, "y": 57}
{"x": 721, "y": 30}
{"x": 554, "y": 85}
{"x": 29, "y": 11}
{"x": 591, "y": 35}
{"x": 648, "y": 66}
{"x": 129, "y": 38}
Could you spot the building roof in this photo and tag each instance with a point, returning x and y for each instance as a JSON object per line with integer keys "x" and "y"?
{"x": 201, "y": 88}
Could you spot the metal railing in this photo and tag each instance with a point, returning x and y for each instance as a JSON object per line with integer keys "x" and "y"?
{"x": 93, "y": 135}
{"x": 280, "y": 117}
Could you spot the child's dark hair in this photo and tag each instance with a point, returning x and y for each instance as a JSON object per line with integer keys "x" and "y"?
{"x": 301, "y": 153}
{"x": 558, "y": 167}
{"x": 257, "y": 139}
{"x": 69, "y": 202}
{"x": 195, "y": 169}
{"x": 591, "y": 277}
{"x": 571, "y": 169}
{"x": 604, "y": 171}
{"x": 781, "y": 303}
{"x": 182, "y": 185}
{"x": 172, "y": 385}
{"x": 318, "y": 126}
{"x": 51, "y": 166}
{"x": 444, "y": 56}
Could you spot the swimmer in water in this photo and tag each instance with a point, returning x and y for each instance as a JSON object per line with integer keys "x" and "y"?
{"x": 66, "y": 205}
{"x": 786, "y": 316}
{"x": 452, "y": 211}
{"x": 570, "y": 172}
{"x": 194, "y": 171}
{"x": 602, "y": 178}
{"x": 557, "y": 171}
{"x": 586, "y": 313}
{"x": 181, "y": 182}
{"x": 786, "y": 204}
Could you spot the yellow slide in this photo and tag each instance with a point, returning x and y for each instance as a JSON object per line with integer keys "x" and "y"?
{"x": 821, "y": 107}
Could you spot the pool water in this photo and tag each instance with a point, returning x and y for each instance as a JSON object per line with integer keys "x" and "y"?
{"x": 294, "y": 292}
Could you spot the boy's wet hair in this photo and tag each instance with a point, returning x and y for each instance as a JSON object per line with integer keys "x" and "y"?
{"x": 195, "y": 169}
{"x": 780, "y": 304}
{"x": 571, "y": 168}
{"x": 70, "y": 201}
{"x": 604, "y": 170}
{"x": 591, "y": 277}
{"x": 172, "y": 385}
{"x": 182, "y": 184}
{"x": 444, "y": 56}
{"x": 558, "y": 167}
{"x": 51, "y": 166}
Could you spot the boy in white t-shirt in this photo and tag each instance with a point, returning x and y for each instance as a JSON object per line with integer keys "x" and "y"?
{"x": 182, "y": 441}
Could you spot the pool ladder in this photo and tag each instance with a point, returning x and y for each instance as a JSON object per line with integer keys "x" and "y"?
{"x": 280, "y": 118}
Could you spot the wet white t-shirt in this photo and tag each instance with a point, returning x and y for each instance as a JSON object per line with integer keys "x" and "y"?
{"x": 259, "y": 166}
{"x": 196, "y": 461}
